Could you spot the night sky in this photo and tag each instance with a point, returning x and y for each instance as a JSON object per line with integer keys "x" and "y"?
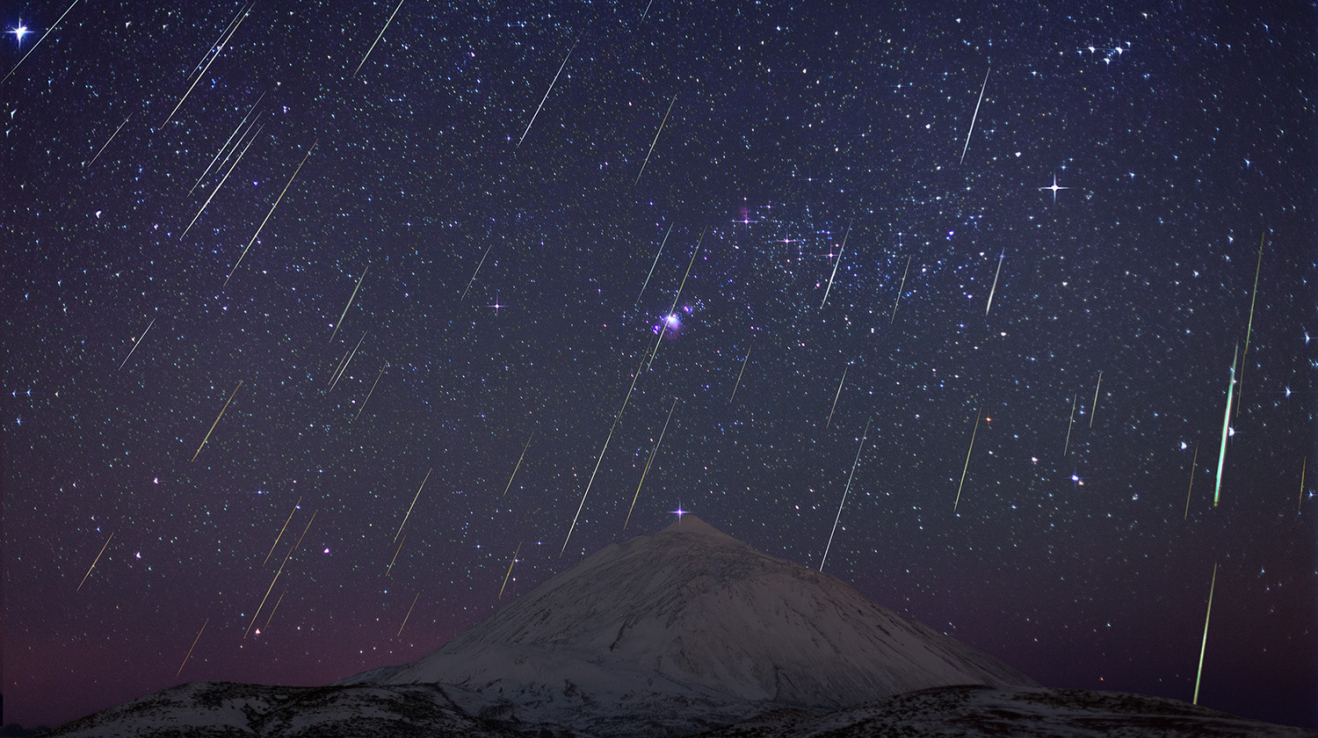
{"x": 810, "y": 156}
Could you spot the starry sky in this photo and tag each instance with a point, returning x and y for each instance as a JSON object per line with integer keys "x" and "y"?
{"x": 1000, "y": 266}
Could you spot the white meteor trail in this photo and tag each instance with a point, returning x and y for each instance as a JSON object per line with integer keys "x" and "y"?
{"x": 546, "y": 97}
{"x": 38, "y": 43}
{"x": 518, "y": 466}
{"x": 343, "y": 366}
{"x": 995, "y": 283}
{"x": 1250, "y": 329}
{"x": 676, "y": 297}
{"x": 378, "y": 37}
{"x": 272, "y": 210}
{"x": 409, "y": 507}
{"x": 136, "y": 343}
{"x": 225, "y": 147}
{"x": 587, "y": 492}
{"x": 1226, "y": 427}
{"x": 655, "y": 141}
{"x": 339, "y": 322}
{"x": 478, "y": 271}
{"x": 214, "y": 48}
{"x": 1070, "y": 423}
{"x": 967, "y": 464}
{"x": 835, "y": 265}
{"x": 111, "y": 138}
{"x": 223, "y": 179}
{"x": 836, "y": 395}
{"x": 899, "y": 290}
{"x": 650, "y": 461}
{"x": 743, "y": 371}
{"x": 218, "y": 49}
{"x": 844, "y": 494}
{"x": 368, "y": 394}
{"x": 652, "y": 265}
{"x": 976, "y": 115}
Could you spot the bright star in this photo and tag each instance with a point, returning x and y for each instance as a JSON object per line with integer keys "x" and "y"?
{"x": 1055, "y": 187}
{"x": 19, "y": 33}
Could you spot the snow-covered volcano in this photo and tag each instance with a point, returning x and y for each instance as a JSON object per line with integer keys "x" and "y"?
{"x": 686, "y": 629}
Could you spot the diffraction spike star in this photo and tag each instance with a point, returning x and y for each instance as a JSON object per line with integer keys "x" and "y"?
{"x": 19, "y": 33}
{"x": 1055, "y": 187}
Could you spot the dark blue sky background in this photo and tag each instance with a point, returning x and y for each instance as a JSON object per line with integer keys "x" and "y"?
{"x": 506, "y": 294}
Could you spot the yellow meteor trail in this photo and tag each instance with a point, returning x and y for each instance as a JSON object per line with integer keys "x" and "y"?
{"x": 277, "y": 573}
{"x": 1204, "y": 645}
{"x": 1250, "y": 329}
{"x": 844, "y": 494}
{"x": 223, "y": 179}
{"x": 107, "y": 142}
{"x": 1070, "y": 423}
{"x": 546, "y": 97}
{"x": 653, "y": 263}
{"x": 217, "y": 420}
{"x": 378, "y": 37}
{"x": 1193, "y": 462}
{"x": 136, "y": 343}
{"x": 976, "y": 115}
{"x": 272, "y": 211}
{"x": 1094, "y": 409}
{"x": 408, "y": 615}
{"x": 271, "y": 616}
{"x": 510, "y": 570}
{"x": 837, "y": 395}
{"x": 409, "y": 507}
{"x": 1226, "y": 428}
{"x": 519, "y": 465}
{"x": 194, "y": 645}
{"x": 94, "y": 561}
{"x": 390, "y": 568}
{"x": 743, "y": 371}
{"x": 649, "y": 461}
{"x": 220, "y": 48}
{"x": 281, "y": 530}
{"x": 841, "y": 248}
{"x": 1303, "y": 465}
{"x": 368, "y": 394}
{"x": 967, "y": 464}
{"x": 899, "y": 290}
{"x": 989, "y": 307}
{"x": 478, "y": 271}
{"x": 38, "y": 43}
{"x": 339, "y": 322}
{"x": 655, "y": 141}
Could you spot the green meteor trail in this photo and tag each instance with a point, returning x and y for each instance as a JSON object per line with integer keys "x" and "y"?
{"x": 1204, "y": 645}
{"x": 1226, "y": 426}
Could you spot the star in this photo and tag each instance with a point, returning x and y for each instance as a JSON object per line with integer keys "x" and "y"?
{"x": 19, "y": 33}
{"x": 679, "y": 512}
{"x": 1055, "y": 187}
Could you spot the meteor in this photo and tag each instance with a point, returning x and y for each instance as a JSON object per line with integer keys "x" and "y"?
{"x": 225, "y": 147}
{"x": 339, "y": 322}
{"x": 656, "y": 139}
{"x": 976, "y": 115}
{"x": 38, "y": 43}
{"x": 649, "y": 461}
{"x": 652, "y": 265}
{"x": 1226, "y": 427}
{"x": 343, "y": 365}
{"x": 368, "y": 394}
{"x": 835, "y": 265}
{"x": 995, "y": 283}
{"x": 478, "y": 271}
{"x": 967, "y": 464}
{"x": 1250, "y": 329}
{"x": 136, "y": 343}
{"x": 378, "y": 37}
{"x": 1303, "y": 465}
{"x": 218, "y": 49}
{"x": 1193, "y": 462}
{"x": 281, "y": 530}
{"x": 408, "y": 615}
{"x": 272, "y": 210}
{"x": 277, "y": 573}
{"x": 94, "y": 561}
{"x": 743, "y": 371}
{"x": 1094, "y": 409}
{"x": 223, "y": 179}
{"x": 194, "y": 645}
{"x": 677, "y": 296}
{"x": 844, "y": 494}
{"x": 899, "y": 290}
{"x": 588, "y": 484}
{"x": 107, "y": 142}
{"x": 546, "y": 97}
{"x": 409, "y": 507}
{"x": 271, "y": 616}
{"x": 519, "y": 465}
{"x": 836, "y": 394}
{"x": 1204, "y": 645}
{"x": 217, "y": 420}
{"x": 510, "y": 570}
{"x": 1070, "y": 423}
{"x": 388, "y": 570}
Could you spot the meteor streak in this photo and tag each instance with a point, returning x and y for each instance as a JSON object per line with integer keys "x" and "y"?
{"x": 339, "y": 322}
{"x": 368, "y": 394}
{"x": 1250, "y": 329}
{"x": 656, "y": 138}
{"x": 519, "y": 465}
{"x": 378, "y": 37}
{"x": 277, "y": 573}
{"x": 223, "y": 179}
{"x": 107, "y": 142}
{"x": 281, "y": 530}
{"x": 835, "y": 265}
{"x": 136, "y": 343}
{"x": 967, "y": 464}
{"x": 588, "y": 484}
{"x": 271, "y": 616}
{"x": 1303, "y": 464}
{"x": 649, "y": 461}
{"x": 1226, "y": 428}
{"x": 844, "y": 494}
{"x": 652, "y": 265}
{"x": 1204, "y": 645}
{"x": 94, "y": 562}
{"x": 664, "y": 326}
{"x": 995, "y": 283}
{"x": 217, "y": 420}
{"x": 218, "y": 49}
{"x": 408, "y": 615}
{"x": 272, "y": 210}
{"x": 225, "y": 147}
{"x": 1070, "y": 423}
{"x": 343, "y": 366}
{"x": 409, "y": 507}
{"x": 510, "y": 570}
{"x": 546, "y": 97}
{"x": 1094, "y": 409}
{"x": 899, "y": 290}
{"x": 976, "y": 115}
{"x": 743, "y": 371}
{"x": 836, "y": 394}
{"x": 478, "y": 271}
{"x": 38, "y": 43}
{"x": 1193, "y": 462}
{"x": 390, "y": 568}
{"x": 194, "y": 645}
